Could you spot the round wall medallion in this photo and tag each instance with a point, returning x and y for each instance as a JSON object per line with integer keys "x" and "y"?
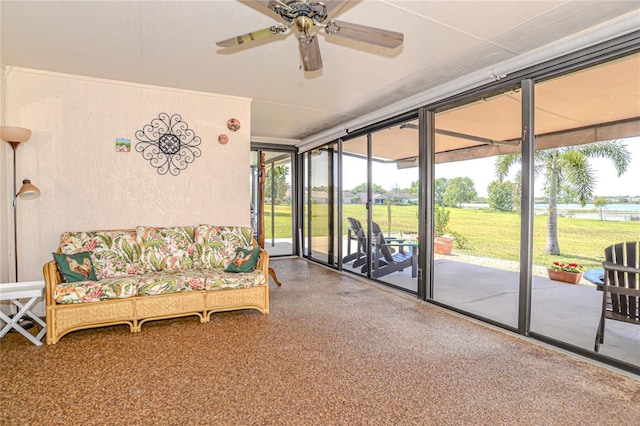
{"x": 233, "y": 124}
{"x": 168, "y": 144}
{"x": 223, "y": 139}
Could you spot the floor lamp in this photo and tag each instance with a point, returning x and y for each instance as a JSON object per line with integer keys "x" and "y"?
{"x": 15, "y": 136}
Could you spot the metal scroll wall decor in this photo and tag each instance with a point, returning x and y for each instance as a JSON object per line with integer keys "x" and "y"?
{"x": 168, "y": 143}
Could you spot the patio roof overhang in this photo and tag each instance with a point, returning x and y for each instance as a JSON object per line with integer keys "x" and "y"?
{"x": 589, "y": 134}
{"x": 597, "y": 104}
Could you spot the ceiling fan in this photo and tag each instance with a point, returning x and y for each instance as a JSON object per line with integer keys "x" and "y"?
{"x": 309, "y": 17}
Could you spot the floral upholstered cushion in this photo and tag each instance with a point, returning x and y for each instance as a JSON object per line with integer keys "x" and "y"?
{"x": 95, "y": 291}
{"x": 217, "y": 244}
{"x": 75, "y": 242}
{"x": 153, "y": 283}
{"x": 169, "y": 248}
{"x": 113, "y": 253}
{"x": 217, "y": 279}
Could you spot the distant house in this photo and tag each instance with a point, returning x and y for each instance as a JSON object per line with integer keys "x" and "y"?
{"x": 396, "y": 198}
{"x": 319, "y": 197}
{"x": 379, "y": 199}
{"x": 404, "y": 198}
{"x": 349, "y": 198}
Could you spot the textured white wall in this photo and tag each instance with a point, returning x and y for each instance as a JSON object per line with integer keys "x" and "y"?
{"x": 87, "y": 185}
{"x": 6, "y": 258}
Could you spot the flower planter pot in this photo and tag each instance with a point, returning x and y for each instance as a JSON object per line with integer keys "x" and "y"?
{"x": 567, "y": 277}
{"x": 442, "y": 245}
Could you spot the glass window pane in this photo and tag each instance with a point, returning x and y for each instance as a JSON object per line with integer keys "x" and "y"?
{"x": 322, "y": 166}
{"x": 395, "y": 205}
{"x": 354, "y": 199}
{"x": 586, "y": 199}
{"x": 477, "y": 218}
{"x": 278, "y": 212}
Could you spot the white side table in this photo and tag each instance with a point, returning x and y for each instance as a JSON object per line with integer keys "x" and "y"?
{"x": 32, "y": 290}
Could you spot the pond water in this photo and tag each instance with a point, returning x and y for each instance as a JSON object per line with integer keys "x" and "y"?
{"x": 616, "y": 212}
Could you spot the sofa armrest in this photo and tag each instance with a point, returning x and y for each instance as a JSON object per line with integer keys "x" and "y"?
{"x": 263, "y": 263}
{"x": 52, "y": 278}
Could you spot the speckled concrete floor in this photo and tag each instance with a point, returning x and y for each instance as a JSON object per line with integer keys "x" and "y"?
{"x": 333, "y": 351}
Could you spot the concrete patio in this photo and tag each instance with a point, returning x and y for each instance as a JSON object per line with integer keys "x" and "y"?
{"x": 565, "y": 312}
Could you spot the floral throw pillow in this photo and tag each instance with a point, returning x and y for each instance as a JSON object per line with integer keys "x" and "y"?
{"x": 75, "y": 267}
{"x": 244, "y": 260}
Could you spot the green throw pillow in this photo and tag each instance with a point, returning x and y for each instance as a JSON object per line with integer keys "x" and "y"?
{"x": 76, "y": 267}
{"x": 244, "y": 260}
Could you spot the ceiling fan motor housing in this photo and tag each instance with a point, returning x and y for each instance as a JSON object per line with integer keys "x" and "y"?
{"x": 293, "y": 10}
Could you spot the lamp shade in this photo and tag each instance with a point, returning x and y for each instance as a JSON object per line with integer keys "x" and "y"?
{"x": 28, "y": 191}
{"x": 14, "y": 134}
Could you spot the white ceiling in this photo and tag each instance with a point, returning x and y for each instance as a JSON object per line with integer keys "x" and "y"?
{"x": 172, "y": 43}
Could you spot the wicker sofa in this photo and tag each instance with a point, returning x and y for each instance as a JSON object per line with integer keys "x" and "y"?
{"x": 153, "y": 273}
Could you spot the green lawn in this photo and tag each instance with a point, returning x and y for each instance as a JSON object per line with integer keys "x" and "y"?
{"x": 583, "y": 241}
{"x": 490, "y": 234}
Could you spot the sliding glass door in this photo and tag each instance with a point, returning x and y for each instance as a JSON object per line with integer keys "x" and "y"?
{"x": 394, "y": 207}
{"x": 355, "y": 196}
{"x": 278, "y": 218}
{"x": 380, "y": 205}
{"x": 321, "y": 207}
{"x": 476, "y": 208}
{"x": 586, "y": 199}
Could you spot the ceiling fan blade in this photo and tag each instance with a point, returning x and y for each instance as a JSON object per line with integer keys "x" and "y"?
{"x": 333, "y": 5}
{"x": 256, "y": 35}
{"x": 310, "y": 53}
{"x": 366, "y": 34}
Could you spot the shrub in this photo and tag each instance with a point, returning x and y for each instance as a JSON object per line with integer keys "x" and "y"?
{"x": 441, "y": 220}
{"x": 501, "y": 196}
{"x": 460, "y": 240}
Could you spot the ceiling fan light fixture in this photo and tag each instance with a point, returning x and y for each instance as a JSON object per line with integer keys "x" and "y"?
{"x": 304, "y": 24}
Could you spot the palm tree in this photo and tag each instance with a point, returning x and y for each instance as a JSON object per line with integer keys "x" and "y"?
{"x": 568, "y": 164}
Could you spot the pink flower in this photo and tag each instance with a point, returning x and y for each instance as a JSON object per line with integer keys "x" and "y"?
{"x": 90, "y": 245}
{"x": 193, "y": 284}
{"x": 95, "y": 293}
